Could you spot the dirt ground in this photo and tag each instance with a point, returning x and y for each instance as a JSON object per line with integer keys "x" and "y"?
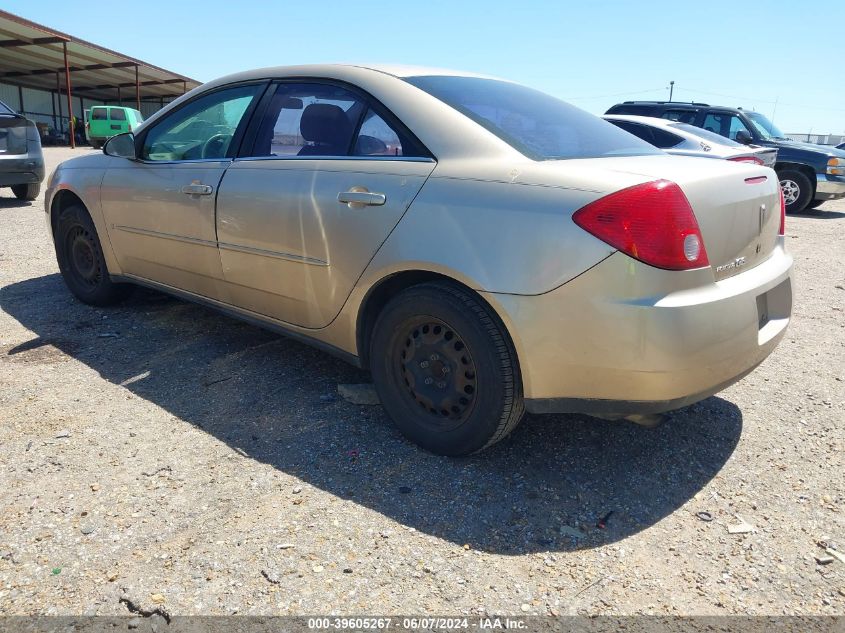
{"x": 159, "y": 455}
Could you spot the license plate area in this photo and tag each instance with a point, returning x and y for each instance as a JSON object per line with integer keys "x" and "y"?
{"x": 773, "y": 310}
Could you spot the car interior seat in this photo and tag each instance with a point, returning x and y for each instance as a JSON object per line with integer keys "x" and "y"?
{"x": 326, "y": 128}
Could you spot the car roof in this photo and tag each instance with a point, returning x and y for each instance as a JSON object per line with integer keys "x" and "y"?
{"x": 687, "y": 104}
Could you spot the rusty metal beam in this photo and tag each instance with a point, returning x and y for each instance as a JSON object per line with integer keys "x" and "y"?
{"x": 73, "y": 69}
{"x": 69, "y": 101}
{"x": 36, "y": 41}
{"x": 137, "y": 90}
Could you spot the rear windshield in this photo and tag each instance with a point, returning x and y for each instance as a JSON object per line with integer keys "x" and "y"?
{"x": 117, "y": 115}
{"x": 532, "y": 122}
{"x": 99, "y": 114}
{"x": 707, "y": 135}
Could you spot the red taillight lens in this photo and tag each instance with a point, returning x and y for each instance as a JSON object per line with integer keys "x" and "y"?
{"x": 130, "y": 127}
{"x": 652, "y": 222}
{"x": 782, "y": 230}
{"x": 747, "y": 159}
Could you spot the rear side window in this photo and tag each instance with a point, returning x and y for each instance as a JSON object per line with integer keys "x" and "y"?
{"x": 99, "y": 114}
{"x": 684, "y": 116}
{"x": 532, "y": 122}
{"x": 652, "y": 135}
{"x": 117, "y": 115}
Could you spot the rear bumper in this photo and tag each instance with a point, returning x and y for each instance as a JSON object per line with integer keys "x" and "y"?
{"x": 627, "y": 338}
{"x": 830, "y": 187}
{"x": 22, "y": 169}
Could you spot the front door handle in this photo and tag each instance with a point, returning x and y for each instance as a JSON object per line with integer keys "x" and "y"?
{"x": 358, "y": 198}
{"x": 197, "y": 189}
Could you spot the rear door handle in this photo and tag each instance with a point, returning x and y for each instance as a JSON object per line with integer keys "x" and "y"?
{"x": 197, "y": 189}
{"x": 360, "y": 199}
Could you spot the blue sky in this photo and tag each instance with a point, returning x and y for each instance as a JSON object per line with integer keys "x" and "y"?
{"x": 781, "y": 58}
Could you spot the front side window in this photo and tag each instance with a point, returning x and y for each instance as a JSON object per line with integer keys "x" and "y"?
{"x": 725, "y": 124}
{"x": 532, "y": 122}
{"x": 204, "y": 128}
{"x": 117, "y": 114}
{"x": 308, "y": 119}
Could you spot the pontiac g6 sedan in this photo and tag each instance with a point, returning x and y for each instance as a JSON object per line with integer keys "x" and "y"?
{"x": 482, "y": 247}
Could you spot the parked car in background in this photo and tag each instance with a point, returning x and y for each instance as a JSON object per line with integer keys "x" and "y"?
{"x": 809, "y": 174}
{"x": 683, "y": 139}
{"x": 21, "y": 158}
{"x": 107, "y": 121}
{"x": 482, "y": 247}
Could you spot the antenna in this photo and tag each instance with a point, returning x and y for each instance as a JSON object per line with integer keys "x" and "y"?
{"x": 671, "y": 89}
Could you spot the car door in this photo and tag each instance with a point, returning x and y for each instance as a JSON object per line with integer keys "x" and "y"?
{"x": 159, "y": 209}
{"x": 301, "y": 214}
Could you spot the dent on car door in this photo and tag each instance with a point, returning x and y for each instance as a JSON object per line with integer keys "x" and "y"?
{"x": 160, "y": 209}
{"x": 302, "y": 214}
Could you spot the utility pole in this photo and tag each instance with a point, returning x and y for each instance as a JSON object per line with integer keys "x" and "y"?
{"x": 671, "y": 89}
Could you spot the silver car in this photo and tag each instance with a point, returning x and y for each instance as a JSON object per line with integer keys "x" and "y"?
{"x": 683, "y": 139}
{"x": 482, "y": 247}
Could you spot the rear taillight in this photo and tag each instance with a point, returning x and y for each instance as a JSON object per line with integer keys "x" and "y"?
{"x": 747, "y": 159}
{"x": 652, "y": 222}
{"x": 782, "y": 230}
{"x": 130, "y": 127}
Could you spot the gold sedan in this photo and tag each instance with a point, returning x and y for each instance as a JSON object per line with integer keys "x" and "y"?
{"x": 482, "y": 247}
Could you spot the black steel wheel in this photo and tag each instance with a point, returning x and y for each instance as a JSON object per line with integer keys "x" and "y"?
{"x": 81, "y": 260}
{"x": 445, "y": 370}
{"x": 438, "y": 371}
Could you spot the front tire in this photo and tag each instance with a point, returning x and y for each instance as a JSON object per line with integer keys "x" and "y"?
{"x": 81, "y": 260}
{"x": 797, "y": 190}
{"x": 445, "y": 370}
{"x": 26, "y": 192}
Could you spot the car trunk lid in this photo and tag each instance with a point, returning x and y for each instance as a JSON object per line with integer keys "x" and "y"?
{"x": 737, "y": 205}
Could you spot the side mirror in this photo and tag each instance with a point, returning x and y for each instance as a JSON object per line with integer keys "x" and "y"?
{"x": 121, "y": 145}
{"x": 744, "y": 137}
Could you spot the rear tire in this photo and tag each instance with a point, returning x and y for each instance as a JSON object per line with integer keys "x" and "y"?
{"x": 815, "y": 204}
{"x": 445, "y": 370}
{"x": 81, "y": 260}
{"x": 797, "y": 190}
{"x": 96, "y": 144}
{"x": 26, "y": 192}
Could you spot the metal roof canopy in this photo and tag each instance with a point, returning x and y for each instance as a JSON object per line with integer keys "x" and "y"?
{"x": 35, "y": 56}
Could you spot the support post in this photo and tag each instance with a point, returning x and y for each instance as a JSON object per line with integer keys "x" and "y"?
{"x": 69, "y": 98}
{"x": 137, "y": 90}
{"x": 60, "y": 126}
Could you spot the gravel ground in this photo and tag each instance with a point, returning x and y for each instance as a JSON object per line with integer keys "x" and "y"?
{"x": 159, "y": 456}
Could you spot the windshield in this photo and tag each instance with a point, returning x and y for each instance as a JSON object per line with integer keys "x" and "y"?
{"x": 765, "y": 128}
{"x": 707, "y": 135}
{"x": 4, "y": 109}
{"x": 532, "y": 122}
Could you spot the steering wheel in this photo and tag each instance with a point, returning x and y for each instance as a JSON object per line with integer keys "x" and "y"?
{"x": 211, "y": 148}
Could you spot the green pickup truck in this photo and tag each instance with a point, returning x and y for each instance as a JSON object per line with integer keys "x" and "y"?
{"x": 106, "y": 121}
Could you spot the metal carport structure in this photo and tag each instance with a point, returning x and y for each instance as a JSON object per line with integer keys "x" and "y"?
{"x": 34, "y": 57}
